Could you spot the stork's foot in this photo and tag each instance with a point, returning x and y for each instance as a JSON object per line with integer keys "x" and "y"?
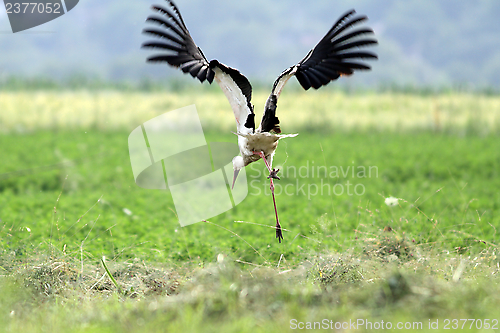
{"x": 279, "y": 234}
{"x": 274, "y": 174}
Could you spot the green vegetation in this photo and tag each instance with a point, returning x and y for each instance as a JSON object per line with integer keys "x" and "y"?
{"x": 68, "y": 198}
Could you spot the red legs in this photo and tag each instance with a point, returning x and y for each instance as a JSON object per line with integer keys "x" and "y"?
{"x": 272, "y": 175}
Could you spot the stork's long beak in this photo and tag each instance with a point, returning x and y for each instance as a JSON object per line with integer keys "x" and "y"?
{"x": 236, "y": 172}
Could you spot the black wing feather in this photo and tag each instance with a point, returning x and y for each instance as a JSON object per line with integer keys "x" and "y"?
{"x": 182, "y": 52}
{"x": 336, "y": 54}
{"x": 202, "y": 73}
{"x": 164, "y": 23}
{"x": 364, "y": 42}
{"x": 303, "y": 80}
{"x": 348, "y": 24}
{"x": 270, "y": 123}
{"x": 339, "y": 22}
{"x": 360, "y": 55}
{"x": 355, "y": 33}
{"x": 176, "y": 40}
{"x": 176, "y": 18}
{"x": 331, "y": 57}
{"x": 333, "y": 49}
{"x": 164, "y": 34}
{"x": 160, "y": 45}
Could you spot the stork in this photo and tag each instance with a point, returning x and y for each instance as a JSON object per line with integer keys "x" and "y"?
{"x": 336, "y": 54}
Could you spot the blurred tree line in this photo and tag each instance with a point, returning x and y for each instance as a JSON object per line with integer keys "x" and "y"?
{"x": 438, "y": 43}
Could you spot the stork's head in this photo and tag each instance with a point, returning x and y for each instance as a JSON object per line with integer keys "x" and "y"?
{"x": 238, "y": 164}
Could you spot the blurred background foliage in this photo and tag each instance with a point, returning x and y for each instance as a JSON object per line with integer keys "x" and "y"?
{"x": 426, "y": 43}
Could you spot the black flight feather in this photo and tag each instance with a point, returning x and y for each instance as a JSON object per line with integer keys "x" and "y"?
{"x": 177, "y": 42}
{"x": 330, "y": 52}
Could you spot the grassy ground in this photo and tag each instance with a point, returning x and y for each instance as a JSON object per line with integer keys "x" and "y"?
{"x": 68, "y": 197}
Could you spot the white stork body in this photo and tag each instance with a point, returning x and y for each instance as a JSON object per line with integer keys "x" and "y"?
{"x": 250, "y": 141}
{"x": 259, "y": 142}
{"x": 327, "y": 61}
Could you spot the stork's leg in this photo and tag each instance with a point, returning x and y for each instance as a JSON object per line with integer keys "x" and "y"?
{"x": 279, "y": 234}
{"x": 272, "y": 175}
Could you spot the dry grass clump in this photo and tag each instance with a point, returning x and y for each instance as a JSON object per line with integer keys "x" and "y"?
{"x": 389, "y": 245}
{"x": 51, "y": 278}
{"x": 63, "y": 277}
{"x": 330, "y": 271}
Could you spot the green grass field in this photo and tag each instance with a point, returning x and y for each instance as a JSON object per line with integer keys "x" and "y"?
{"x": 68, "y": 198}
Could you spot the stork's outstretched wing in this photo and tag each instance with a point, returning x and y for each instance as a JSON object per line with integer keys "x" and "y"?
{"x": 179, "y": 50}
{"x": 335, "y": 55}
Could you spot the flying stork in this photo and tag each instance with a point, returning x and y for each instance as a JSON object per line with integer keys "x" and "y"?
{"x": 337, "y": 54}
